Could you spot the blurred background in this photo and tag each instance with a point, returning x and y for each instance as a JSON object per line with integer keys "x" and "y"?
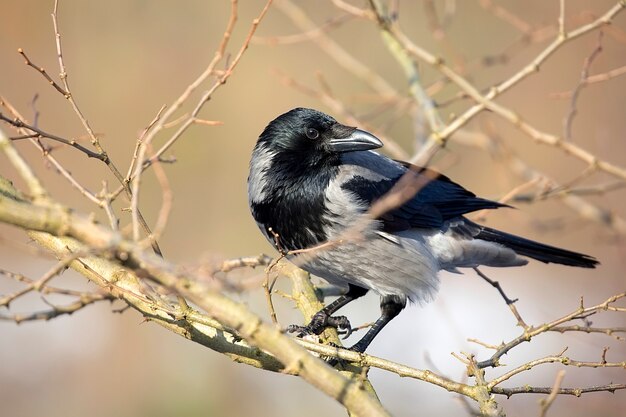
{"x": 127, "y": 58}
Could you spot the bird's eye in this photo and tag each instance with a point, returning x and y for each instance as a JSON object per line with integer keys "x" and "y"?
{"x": 312, "y": 133}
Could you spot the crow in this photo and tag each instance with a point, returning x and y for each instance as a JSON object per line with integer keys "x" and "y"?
{"x": 312, "y": 180}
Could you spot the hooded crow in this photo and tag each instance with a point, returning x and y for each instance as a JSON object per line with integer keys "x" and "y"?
{"x": 312, "y": 179}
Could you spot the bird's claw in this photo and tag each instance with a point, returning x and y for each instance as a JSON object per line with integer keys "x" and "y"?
{"x": 300, "y": 331}
{"x": 341, "y": 323}
{"x": 320, "y": 321}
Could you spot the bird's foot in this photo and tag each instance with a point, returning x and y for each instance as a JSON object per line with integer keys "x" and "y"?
{"x": 319, "y": 322}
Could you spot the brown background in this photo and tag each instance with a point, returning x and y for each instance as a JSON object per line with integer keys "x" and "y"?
{"x": 127, "y": 58}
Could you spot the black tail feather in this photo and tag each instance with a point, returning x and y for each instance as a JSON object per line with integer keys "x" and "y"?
{"x": 536, "y": 250}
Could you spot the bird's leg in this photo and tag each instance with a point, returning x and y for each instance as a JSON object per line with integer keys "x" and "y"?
{"x": 323, "y": 318}
{"x": 390, "y": 307}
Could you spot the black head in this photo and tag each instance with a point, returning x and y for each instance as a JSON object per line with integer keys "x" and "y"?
{"x": 314, "y": 136}
{"x": 294, "y": 160}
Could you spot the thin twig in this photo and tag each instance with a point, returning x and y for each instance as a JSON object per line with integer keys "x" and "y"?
{"x": 509, "y": 17}
{"x": 304, "y": 36}
{"x": 218, "y": 83}
{"x": 94, "y": 138}
{"x": 609, "y": 331}
{"x": 46, "y": 153}
{"x": 35, "y": 187}
{"x": 577, "y": 392}
{"x": 497, "y": 286}
{"x": 43, "y": 72}
{"x": 562, "y": 32}
{"x": 592, "y": 79}
{"x": 40, "y": 133}
{"x": 83, "y": 301}
{"x": 251, "y": 262}
{"x": 167, "y": 197}
{"x": 547, "y": 402}
{"x": 106, "y": 200}
{"x": 139, "y": 141}
{"x": 439, "y": 138}
{"x": 569, "y": 118}
{"x": 142, "y": 161}
{"x": 409, "y": 67}
{"x": 494, "y": 145}
{"x": 41, "y": 282}
{"x": 532, "y": 331}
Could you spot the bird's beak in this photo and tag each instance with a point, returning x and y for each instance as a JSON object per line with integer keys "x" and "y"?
{"x": 357, "y": 140}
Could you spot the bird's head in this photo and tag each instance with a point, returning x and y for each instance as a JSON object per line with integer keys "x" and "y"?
{"x": 314, "y": 135}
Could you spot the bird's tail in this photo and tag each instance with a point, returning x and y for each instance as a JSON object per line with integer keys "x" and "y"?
{"x": 536, "y": 250}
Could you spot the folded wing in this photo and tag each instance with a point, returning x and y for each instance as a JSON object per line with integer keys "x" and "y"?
{"x": 370, "y": 176}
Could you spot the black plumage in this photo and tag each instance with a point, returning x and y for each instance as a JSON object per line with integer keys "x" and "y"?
{"x": 537, "y": 251}
{"x": 438, "y": 200}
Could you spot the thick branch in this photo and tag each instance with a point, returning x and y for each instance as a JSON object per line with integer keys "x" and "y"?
{"x": 59, "y": 221}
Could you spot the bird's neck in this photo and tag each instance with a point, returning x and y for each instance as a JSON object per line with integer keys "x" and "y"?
{"x": 301, "y": 174}
{"x": 294, "y": 201}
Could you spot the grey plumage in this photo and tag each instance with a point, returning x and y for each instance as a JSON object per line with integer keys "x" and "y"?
{"x": 404, "y": 263}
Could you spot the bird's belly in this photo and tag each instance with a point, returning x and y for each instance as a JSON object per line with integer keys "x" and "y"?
{"x": 402, "y": 266}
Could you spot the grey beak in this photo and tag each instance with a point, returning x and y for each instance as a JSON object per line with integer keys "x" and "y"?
{"x": 358, "y": 140}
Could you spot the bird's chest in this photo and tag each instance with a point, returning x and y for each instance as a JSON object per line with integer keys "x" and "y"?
{"x": 294, "y": 213}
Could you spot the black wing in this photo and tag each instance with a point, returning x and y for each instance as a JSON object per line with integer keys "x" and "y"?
{"x": 438, "y": 200}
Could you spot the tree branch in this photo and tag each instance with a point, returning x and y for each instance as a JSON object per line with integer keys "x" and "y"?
{"x": 58, "y": 221}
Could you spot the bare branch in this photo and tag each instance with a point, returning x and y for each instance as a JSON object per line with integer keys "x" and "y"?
{"x": 593, "y": 79}
{"x": 533, "y": 331}
{"x": 57, "y": 221}
{"x": 305, "y": 36}
{"x": 41, "y": 134}
{"x": 36, "y": 189}
{"x": 43, "y": 72}
{"x": 94, "y": 138}
{"x": 142, "y": 161}
{"x": 192, "y": 301}
{"x": 438, "y": 138}
{"x": 41, "y": 282}
{"x": 577, "y": 392}
{"x": 497, "y": 286}
{"x": 251, "y": 262}
{"x": 83, "y": 301}
{"x": 569, "y": 119}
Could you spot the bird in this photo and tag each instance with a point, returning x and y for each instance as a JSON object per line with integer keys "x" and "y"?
{"x": 312, "y": 180}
